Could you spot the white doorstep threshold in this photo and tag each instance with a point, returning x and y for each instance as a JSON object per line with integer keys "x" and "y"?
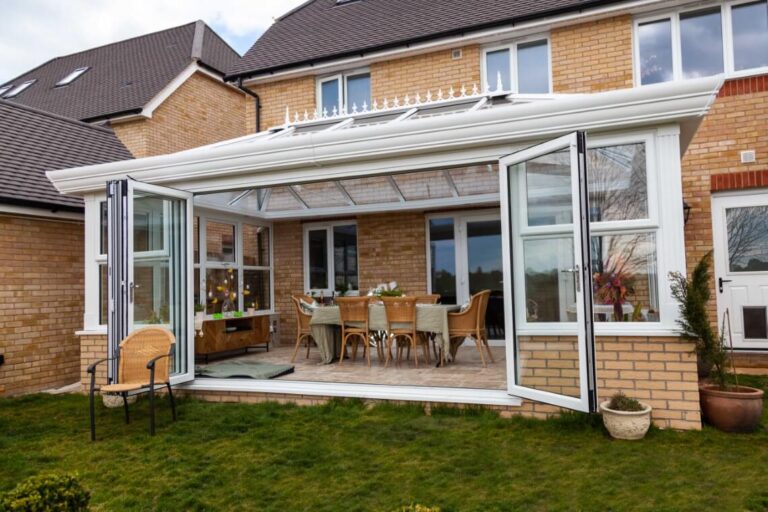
{"x": 369, "y": 391}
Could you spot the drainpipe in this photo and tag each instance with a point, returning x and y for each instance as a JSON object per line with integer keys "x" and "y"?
{"x": 257, "y": 101}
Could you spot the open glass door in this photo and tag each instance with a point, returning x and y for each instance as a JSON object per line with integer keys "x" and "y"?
{"x": 545, "y": 228}
{"x": 150, "y": 267}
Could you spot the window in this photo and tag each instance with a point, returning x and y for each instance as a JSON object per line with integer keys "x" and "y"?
{"x": 74, "y": 75}
{"x": 520, "y": 67}
{"x": 5, "y": 89}
{"x": 330, "y": 257}
{"x": 19, "y": 89}
{"x": 345, "y": 93}
{"x": 731, "y": 37}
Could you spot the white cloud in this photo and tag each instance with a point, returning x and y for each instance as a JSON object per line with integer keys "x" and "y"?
{"x": 34, "y": 31}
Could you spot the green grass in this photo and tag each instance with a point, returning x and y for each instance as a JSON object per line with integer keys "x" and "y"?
{"x": 344, "y": 456}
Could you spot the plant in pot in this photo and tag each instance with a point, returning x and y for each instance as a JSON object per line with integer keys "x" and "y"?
{"x": 625, "y": 417}
{"x": 725, "y": 404}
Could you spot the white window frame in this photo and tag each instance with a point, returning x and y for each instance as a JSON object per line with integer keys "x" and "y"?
{"x": 331, "y": 270}
{"x": 18, "y": 89}
{"x": 72, "y": 76}
{"x": 342, "y": 79}
{"x": 677, "y": 57}
{"x": 512, "y": 47}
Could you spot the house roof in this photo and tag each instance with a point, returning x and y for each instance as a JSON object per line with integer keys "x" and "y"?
{"x": 325, "y": 29}
{"x": 33, "y": 142}
{"x": 123, "y": 76}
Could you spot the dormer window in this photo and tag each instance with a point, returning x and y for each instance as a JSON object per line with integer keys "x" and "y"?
{"x": 74, "y": 75}
{"x": 19, "y": 89}
{"x": 350, "y": 92}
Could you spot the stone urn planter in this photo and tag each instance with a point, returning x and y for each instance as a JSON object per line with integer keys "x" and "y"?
{"x": 114, "y": 401}
{"x": 737, "y": 409}
{"x": 629, "y": 425}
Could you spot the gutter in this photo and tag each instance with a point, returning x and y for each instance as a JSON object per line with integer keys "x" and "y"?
{"x": 256, "y": 100}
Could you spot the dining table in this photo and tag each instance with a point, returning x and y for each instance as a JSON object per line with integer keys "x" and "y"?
{"x": 430, "y": 318}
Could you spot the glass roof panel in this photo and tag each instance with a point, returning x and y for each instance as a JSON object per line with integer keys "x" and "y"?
{"x": 375, "y": 189}
{"x": 281, "y": 199}
{"x": 311, "y": 128}
{"x": 384, "y": 117}
{"x": 439, "y": 110}
{"x": 423, "y": 185}
{"x": 321, "y": 195}
{"x": 476, "y": 179}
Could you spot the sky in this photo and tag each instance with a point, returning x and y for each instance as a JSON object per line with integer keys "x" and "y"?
{"x": 34, "y": 31}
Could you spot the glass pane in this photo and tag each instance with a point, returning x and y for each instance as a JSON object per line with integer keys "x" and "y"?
{"x": 747, "y": 238}
{"x": 550, "y": 287}
{"x": 486, "y": 272}
{"x": 549, "y": 363}
{"x": 655, "y": 40}
{"x": 329, "y": 97}
{"x": 617, "y": 182}
{"x": 750, "y": 35}
{"x": 197, "y": 287}
{"x": 318, "y": 259}
{"x": 442, "y": 253}
{"x": 222, "y": 287}
{"x": 103, "y": 293}
{"x": 220, "y": 241}
{"x": 533, "y": 68}
{"x": 423, "y": 185}
{"x": 103, "y": 222}
{"x": 375, "y": 189}
{"x": 548, "y": 189}
{"x": 148, "y": 224}
{"x": 255, "y": 245}
{"x": 151, "y": 292}
{"x": 358, "y": 92}
{"x": 345, "y": 258}
{"x": 256, "y": 289}
{"x": 497, "y": 67}
{"x": 196, "y": 239}
{"x": 701, "y": 43}
{"x": 755, "y": 322}
{"x": 476, "y": 179}
{"x": 624, "y": 278}
{"x": 323, "y": 194}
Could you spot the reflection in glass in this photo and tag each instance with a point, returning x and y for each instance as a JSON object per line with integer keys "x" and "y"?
{"x": 103, "y": 293}
{"x": 550, "y": 288}
{"x": 103, "y": 220}
{"x": 148, "y": 223}
{"x": 548, "y": 189}
{"x": 256, "y": 289}
{"x": 318, "y": 259}
{"x": 755, "y": 322}
{"x": 345, "y": 258}
{"x": 196, "y": 240}
{"x": 701, "y": 43}
{"x": 617, "y": 182}
{"x": 358, "y": 91}
{"x": 329, "y": 97}
{"x": 624, "y": 278}
{"x": 255, "y": 245}
{"x": 486, "y": 272}
{"x": 220, "y": 241}
{"x": 533, "y": 68}
{"x": 750, "y": 35}
{"x": 222, "y": 287}
{"x": 747, "y": 238}
{"x": 151, "y": 289}
{"x": 655, "y": 41}
{"x": 442, "y": 250}
{"x": 497, "y": 66}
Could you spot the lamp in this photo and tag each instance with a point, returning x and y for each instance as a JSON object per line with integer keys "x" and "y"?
{"x": 686, "y": 212}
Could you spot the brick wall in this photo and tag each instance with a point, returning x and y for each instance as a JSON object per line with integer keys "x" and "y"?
{"x": 298, "y": 94}
{"x": 289, "y": 274}
{"x": 201, "y": 111}
{"x": 93, "y": 347}
{"x": 41, "y": 291}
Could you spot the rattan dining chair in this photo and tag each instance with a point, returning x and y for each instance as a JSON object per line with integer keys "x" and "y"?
{"x": 471, "y": 324}
{"x": 303, "y": 330}
{"x": 354, "y": 326}
{"x": 401, "y": 326}
{"x": 144, "y": 360}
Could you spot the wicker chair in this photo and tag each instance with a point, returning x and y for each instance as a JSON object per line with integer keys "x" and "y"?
{"x": 401, "y": 325}
{"x": 144, "y": 361}
{"x": 354, "y": 325}
{"x": 433, "y": 298}
{"x": 471, "y": 323}
{"x": 303, "y": 331}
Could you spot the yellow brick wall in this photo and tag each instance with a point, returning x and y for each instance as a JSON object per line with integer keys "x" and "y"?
{"x": 298, "y": 94}
{"x": 592, "y": 57}
{"x": 41, "y": 292}
{"x": 93, "y": 347}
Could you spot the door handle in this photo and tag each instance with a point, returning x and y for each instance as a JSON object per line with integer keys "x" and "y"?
{"x": 577, "y": 271}
{"x": 720, "y": 282}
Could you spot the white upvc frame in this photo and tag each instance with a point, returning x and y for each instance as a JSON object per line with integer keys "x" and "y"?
{"x": 674, "y": 17}
{"x": 341, "y": 78}
{"x": 331, "y": 270}
{"x": 512, "y": 48}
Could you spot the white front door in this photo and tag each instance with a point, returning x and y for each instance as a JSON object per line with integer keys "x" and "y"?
{"x": 546, "y": 256}
{"x": 740, "y": 233}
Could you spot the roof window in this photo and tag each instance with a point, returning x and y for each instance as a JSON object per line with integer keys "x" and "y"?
{"x": 74, "y": 75}
{"x": 5, "y": 89}
{"x": 19, "y": 89}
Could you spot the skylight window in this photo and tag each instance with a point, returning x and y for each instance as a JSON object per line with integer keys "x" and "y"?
{"x": 4, "y": 89}
{"x": 19, "y": 89}
{"x": 72, "y": 76}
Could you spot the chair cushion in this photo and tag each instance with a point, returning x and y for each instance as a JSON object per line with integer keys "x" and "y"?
{"x": 122, "y": 388}
{"x": 464, "y": 307}
{"x": 307, "y": 307}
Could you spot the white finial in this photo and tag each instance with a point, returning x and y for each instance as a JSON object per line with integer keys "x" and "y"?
{"x": 475, "y": 90}
{"x": 334, "y": 112}
{"x": 354, "y": 107}
{"x": 429, "y": 96}
{"x": 314, "y": 114}
{"x": 386, "y": 103}
{"x": 499, "y": 82}
{"x": 440, "y": 94}
{"x": 418, "y": 99}
{"x": 365, "y": 106}
{"x": 451, "y": 92}
{"x": 463, "y": 91}
{"x": 295, "y": 117}
{"x": 287, "y": 115}
{"x": 396, "y": 102}
{"x": 375, "y": 105}
{"x": 325, "y": 112}
{"x": 406, "y": 100}
{"x": 306, "y": 115}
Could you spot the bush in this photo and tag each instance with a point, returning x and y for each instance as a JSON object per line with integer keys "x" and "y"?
{"x": 47, "y": 493}
{"x": 621, "y": 402}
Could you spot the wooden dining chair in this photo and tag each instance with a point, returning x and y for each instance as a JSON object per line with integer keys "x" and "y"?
{"x": 471, "y": 323}
{"x": 401, "y": 326}
{"x": 354, "y": 326}
{"x": 144, "y": 361}
{"x": 303, "y": 330}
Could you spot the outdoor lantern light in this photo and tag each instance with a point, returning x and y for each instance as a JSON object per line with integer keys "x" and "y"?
{"x": 686, "y": 212}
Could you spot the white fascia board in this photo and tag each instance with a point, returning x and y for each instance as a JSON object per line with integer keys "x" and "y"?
{"x": 49, "y": 213}
{"x": 398, "y": 147}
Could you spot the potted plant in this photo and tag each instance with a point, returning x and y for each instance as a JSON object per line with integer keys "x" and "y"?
{"x": 725, "y": 404}
{"x": 625, "y": 417}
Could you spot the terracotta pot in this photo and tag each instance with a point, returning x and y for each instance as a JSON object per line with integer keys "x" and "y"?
{"x": 736, "y": 410}
{"x": 630, "y": 425}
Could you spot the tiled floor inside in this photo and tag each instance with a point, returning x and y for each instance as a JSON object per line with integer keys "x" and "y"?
{"x": 466, "y": 372}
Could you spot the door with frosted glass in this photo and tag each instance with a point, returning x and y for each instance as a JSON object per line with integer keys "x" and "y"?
{"x": 545, "y": 227}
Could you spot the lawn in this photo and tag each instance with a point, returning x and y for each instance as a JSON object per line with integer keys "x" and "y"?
{"x": 345, "y": 456}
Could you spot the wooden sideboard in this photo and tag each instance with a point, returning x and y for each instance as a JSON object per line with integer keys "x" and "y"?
{"x": 230, "y": 334}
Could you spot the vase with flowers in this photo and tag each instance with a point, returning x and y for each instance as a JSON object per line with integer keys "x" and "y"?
{"x": 613, "y": 285}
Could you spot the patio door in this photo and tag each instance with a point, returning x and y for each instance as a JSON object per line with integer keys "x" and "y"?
{"x": 150, "y": 268}
{"x": 546, "y": 257}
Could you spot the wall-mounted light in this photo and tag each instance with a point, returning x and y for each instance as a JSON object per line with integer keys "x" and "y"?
{"x": 686, "y": 212}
